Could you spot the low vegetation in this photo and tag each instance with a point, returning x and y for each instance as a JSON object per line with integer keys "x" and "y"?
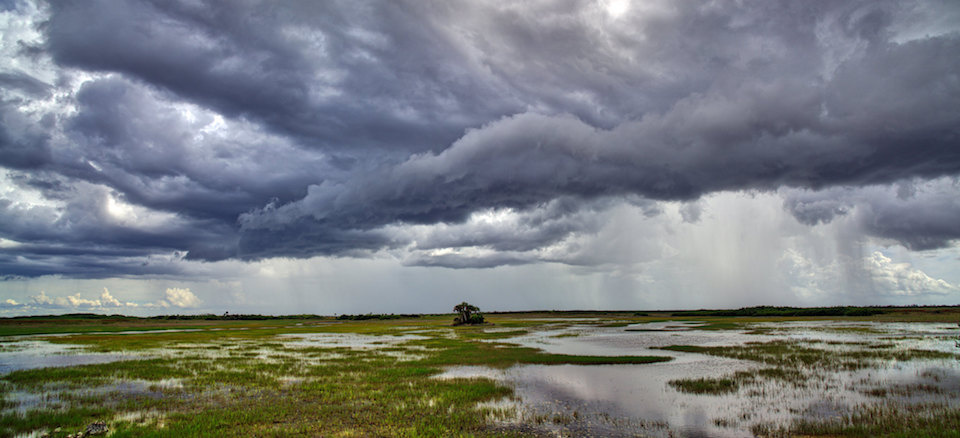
{"x": 375, "y": 375}
{"x": 252, "y": 380}
{"x": 885, "y": 419}
{"x": 786, "y": 311}
{"x": 788, "y": 354}
{"x": 381, "y": 317}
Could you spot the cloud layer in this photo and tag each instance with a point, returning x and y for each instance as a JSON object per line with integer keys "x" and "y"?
{"x": 137, "y": 137}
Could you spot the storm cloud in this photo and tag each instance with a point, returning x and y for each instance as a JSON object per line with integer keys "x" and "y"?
{"x": 137, "y": 136}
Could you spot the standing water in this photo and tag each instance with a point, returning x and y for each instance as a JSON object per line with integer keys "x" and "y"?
{"x": 627, "y": 400}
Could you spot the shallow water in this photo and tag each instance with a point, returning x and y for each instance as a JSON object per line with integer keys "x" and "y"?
{"x": 625, "y": 400}
{"x": 664, "y": 326}
{"x": 30, "y": 354}
{"x": 620, "y": 341}
{"x": 348, "y": 340}
{"x": 608, "y": 400}
{"x": 356, "y": 342}
{"x": 615, "y": 400}
{"x": 52, "y": 396}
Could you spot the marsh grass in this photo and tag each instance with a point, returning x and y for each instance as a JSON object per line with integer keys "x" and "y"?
{"x": 797, "y": 362}
{"x": 793, "y": 354}
{"x": 244, "y": 378}
{"x": 473, "y": 333}
{"x": 903, "y": 390}
{"x": 733, "y": 382}
{"x": 248, "y": 380}
{"x": 498, "y": 355}
{"x": 706, "y": 385}
{"x": 884, "y": 419}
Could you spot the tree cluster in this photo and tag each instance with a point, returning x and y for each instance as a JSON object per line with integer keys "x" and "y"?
{"x": 467, "y": 314}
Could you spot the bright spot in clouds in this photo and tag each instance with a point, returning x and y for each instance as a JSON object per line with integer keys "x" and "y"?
{"x": 616, "y": 8}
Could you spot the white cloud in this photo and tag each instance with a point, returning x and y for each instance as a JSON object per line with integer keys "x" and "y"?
{"x": 77, "y": 301}
{"x": 902, "y": 278}
{"x": 177, "y": 297}
{"x": 108, "y": 300}
{"x": 42, "y": 300}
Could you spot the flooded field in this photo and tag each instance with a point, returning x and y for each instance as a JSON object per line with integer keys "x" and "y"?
{"x": 584, "y": 376}
{"x": 616, "y": 400}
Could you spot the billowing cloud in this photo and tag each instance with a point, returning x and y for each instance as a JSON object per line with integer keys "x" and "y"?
{"x": 77, "y": 301}
{"x": 179, "y": 297}
{"x": 43, "y": 300}
{"x": 902, "y": 279}
{"x": 107, "y": 300}
{"x": 148, "y": 138}
{"x": 172, "y": 297}
{"x": 918, "y": 215}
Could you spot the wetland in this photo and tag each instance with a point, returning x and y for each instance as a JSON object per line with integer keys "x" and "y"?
{"x": 520, "y": 374}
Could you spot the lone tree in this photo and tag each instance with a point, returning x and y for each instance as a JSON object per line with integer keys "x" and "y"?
{"x": 469, "y": 314}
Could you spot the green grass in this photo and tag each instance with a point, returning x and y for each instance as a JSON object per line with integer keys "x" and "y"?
{"x": 733, "y": 382}
{"x": 466, "y": 332}
{"x": 83, "y": 375}
{"x": 498, "y": 355}
{"x": 796, "y": 363}
{"x": 250, "y": 382}
{"x": 246, "y": 380}
{"x": 793, "y": 354}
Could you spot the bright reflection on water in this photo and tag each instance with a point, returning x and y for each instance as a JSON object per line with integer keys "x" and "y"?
{"x": 626, "y": 400}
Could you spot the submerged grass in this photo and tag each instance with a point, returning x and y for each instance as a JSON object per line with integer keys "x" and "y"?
{"x": 732, "y": 383}
{"x": 705, "y": 385}
{"x": 795, "y": 362}
{"x": 884, "y": 419}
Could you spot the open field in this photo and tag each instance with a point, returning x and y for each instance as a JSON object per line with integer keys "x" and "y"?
{"x": 525, "y": 374}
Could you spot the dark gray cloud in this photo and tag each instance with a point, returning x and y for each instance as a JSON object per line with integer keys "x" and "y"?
{"x": 337, "y": 75}
{"x": 919, "y": 216}
{"x": 23, "y": 143}
{"x": 261, "y": 129}
{"x": 144, "y": 145}
{"x": 24, "y": 82}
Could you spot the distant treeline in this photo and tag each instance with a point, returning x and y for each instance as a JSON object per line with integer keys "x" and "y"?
{"x": 786, "y": 311}
{"x": 367, "y": 316}
{"x": 200, "y": 317}
{"x": 233, "y": 317}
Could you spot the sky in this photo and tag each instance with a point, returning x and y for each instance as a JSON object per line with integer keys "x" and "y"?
{"x": 193, "y": 156}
